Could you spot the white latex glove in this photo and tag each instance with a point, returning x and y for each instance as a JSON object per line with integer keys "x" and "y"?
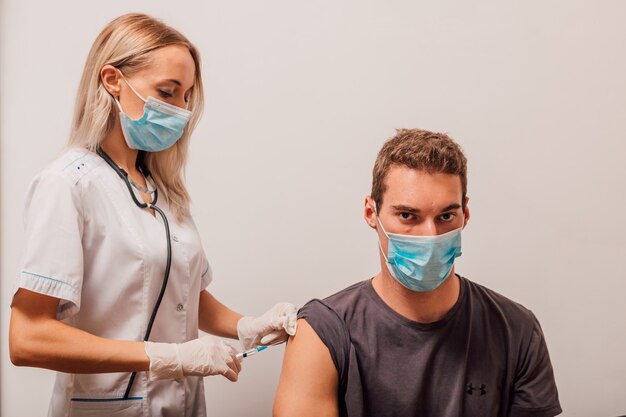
{"x": 205, "y": 356}
{"x": 271, "y": 327}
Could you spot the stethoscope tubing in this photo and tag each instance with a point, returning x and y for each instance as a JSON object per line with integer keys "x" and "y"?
{"x": 152, "y": 205}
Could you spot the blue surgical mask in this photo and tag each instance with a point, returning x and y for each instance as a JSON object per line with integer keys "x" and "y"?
{"x": 421, "y": 263}
{"x": 161, "y": 125}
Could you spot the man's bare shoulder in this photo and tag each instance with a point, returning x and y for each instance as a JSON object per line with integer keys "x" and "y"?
{"x": 306, "y": 343}
{"x": 308, "y": 381}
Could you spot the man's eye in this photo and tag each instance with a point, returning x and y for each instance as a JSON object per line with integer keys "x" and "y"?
{"x": 406, "y": 216}
{"x": 447, "y": 217}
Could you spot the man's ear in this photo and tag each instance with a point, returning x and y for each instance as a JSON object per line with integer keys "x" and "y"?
{"x": 369, "y": 212}
{"x": 111, "y": 79}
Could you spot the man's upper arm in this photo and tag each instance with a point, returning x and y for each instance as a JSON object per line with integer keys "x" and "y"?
{"x": 309, "y": 380}
{"x": 535, "y": 392}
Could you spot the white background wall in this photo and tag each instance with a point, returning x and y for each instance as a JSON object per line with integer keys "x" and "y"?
{"x": 301, "y": 95}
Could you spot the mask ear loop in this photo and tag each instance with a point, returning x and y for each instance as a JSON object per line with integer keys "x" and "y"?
{"x": 119, "y": 106}
{"x": 131, "y": 87}
{"x": 384, "y": 231}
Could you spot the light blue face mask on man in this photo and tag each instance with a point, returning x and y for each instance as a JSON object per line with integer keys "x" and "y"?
{"x": 161, "y": 125}
{"x": 421, "y": 263}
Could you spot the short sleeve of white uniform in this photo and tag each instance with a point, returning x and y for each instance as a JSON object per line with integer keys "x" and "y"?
{"x": 207, "y": 273}
{"x": 52, "y": 263}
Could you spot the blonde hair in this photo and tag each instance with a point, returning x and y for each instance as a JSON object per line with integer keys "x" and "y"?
{"x": 126, "y": 43}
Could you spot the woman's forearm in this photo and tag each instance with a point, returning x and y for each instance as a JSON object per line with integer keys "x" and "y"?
{"x": 38, "y": 339}
{"x": 215, "y": 318}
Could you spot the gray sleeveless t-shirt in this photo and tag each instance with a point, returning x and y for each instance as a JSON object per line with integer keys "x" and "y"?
{"x": 486, "y": 357}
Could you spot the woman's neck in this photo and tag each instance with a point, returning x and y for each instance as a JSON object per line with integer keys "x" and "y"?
{"x": 115, "y": 146}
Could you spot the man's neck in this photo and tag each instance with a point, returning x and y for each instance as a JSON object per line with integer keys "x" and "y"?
{"x": 422, "y": 307}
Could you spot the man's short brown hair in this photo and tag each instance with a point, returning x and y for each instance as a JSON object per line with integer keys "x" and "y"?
{"x": 421, "y": 150}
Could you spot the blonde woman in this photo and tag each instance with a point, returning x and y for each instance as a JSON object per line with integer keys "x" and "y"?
{"x": 111, "y": 292}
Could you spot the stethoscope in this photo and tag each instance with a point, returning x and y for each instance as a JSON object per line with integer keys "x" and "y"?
{"x": 124, "y": 176}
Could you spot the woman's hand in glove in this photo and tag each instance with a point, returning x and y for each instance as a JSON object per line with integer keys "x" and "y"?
{"x": 271, "y": 327}
{"x": 205, "y": 356}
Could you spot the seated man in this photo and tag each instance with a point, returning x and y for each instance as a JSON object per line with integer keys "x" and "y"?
{"x": 417, "y": 339}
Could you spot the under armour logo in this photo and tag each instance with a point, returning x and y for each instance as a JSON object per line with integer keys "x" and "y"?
{"x": 470, "y": 389}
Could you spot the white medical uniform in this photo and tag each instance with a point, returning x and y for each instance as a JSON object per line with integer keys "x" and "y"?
{"x": 89, "y": 245}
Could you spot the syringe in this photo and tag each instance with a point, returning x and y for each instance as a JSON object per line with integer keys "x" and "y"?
{"x": 257, "y": 349}
{"x": 250, "y": 352}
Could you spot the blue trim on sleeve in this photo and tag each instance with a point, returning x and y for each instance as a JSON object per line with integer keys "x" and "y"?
{"x": 51, "y": 279}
